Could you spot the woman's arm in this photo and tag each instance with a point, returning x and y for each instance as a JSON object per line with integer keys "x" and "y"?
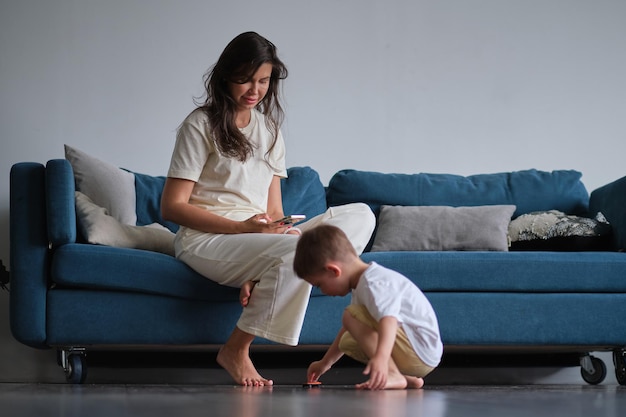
{"x": 275, "y": 205}
{"x": 175, "y": 207}
{"x": 275, "y": 200}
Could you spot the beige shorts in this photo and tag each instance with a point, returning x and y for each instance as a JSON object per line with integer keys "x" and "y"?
{"x": 403, "y": 354}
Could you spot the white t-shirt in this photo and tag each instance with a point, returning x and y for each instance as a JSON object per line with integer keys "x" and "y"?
{"x": 385, "y": 292}
{"x": 224, "y": 185}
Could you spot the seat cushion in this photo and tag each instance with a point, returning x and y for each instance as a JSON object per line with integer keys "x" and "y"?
{"x": 86, "y": 266}
{"x": 536, "y": 272}
{"x": 105, "y": 267}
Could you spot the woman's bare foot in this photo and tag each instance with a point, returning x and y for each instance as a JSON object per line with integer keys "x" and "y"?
{"x": 245, "y": 292}
{"x": 240, "y": 367}
{"x": 414, "y": 382}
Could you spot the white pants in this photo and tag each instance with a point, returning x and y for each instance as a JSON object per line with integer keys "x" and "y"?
{"x": 278, "y": 304}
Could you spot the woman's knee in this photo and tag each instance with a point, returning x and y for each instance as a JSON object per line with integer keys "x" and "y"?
{"x": 360, "y": 211}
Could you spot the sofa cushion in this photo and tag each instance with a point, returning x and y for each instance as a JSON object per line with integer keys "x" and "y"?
{"x": 303, "y": 192}
{"x": 424, "y": 228}
{"x": 119, "y": 269}
{"x": 148, "y": 190}
{"x": 535, "y": 272}
{"x": 529, "y": 190}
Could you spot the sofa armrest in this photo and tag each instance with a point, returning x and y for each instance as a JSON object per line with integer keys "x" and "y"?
{"x": 29, "y": 254}
{"x": 60, "y": 202}
{"x": 610, "y": 200}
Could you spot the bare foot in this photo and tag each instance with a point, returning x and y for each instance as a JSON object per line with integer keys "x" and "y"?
{"x": 245, "y": 292}
{"x": 395, "y": 380}
{"x": 414, "y": 382}
{"x": 240, "y": 367}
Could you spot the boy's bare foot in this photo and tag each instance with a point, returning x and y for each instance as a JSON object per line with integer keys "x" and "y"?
{"x": 414, "y": 382}
{"x": 395, "y": 380}
{"x": 245, "y": 292}
{"x": 240, "y": 367}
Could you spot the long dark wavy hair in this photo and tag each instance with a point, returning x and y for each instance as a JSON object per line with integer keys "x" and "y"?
{"x": 240, "y": 60}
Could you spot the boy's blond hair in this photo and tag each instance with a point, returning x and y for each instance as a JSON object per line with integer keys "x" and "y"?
{"x": 318, "y": 246}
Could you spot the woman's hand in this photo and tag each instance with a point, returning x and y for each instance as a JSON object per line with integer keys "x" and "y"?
{"x": 176, "y": 208}
{"x": 262, "y": 223}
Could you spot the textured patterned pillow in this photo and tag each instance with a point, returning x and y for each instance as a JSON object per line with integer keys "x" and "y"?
{"x": 556, "y": 231}
{"x": 554, "y": 223}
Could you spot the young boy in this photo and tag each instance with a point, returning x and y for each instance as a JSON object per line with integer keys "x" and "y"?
{"x": 389, "y": 325}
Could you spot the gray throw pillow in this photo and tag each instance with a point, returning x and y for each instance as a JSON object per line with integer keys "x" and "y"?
{"x": 440, "y": 228}
{"x": 107, "y": 185}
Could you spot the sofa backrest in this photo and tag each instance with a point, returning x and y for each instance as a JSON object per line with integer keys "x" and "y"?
{"x": 529, "y": 190}
{"x": 148, "y": 191}
{"x": 303, "y": 193}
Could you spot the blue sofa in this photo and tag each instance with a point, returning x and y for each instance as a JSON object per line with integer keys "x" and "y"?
{"x": 73, "y": 296}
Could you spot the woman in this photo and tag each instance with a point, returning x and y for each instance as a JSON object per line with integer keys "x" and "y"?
{"x": 223, "y": 189}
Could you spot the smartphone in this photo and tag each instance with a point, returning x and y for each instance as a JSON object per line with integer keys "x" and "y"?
{"x": 294, "y": 218}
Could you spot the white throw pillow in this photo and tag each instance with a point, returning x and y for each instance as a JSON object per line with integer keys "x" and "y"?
{"x": 99, "y": 228}
{"x": 106, "y": 185}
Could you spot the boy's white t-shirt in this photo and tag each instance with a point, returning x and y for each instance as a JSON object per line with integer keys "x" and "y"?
{"x": 224, "y": 185}
{"x": 385, "y": 292}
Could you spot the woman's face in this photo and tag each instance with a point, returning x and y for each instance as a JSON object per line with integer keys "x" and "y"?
{"x": 249, "y": 92}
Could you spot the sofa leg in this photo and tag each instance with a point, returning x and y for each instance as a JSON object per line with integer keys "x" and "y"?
{"x": 74, "y": 363}
{"x": 619, "y": 360}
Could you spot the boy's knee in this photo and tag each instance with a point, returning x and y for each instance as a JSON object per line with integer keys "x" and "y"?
{"x": 346, "y": 317}
{"x": 361, "y": 314}
{"x": 350, "y": 347}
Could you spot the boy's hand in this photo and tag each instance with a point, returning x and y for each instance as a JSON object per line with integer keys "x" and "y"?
{"x": 316, "y": 370}
{"x": 377, "y": 368}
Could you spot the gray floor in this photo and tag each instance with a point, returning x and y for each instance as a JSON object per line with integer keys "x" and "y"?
{"x": 206, "y": 390}
{"x": 113, "y": 400}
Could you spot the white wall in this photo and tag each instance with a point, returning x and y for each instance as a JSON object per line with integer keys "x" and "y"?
{"x": 455, "y": 86}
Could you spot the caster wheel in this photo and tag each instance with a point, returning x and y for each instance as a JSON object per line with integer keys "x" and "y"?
{"x": 76, "y": 371}
{"x": 619, "y": 360}
{"x": 597, "y": 375}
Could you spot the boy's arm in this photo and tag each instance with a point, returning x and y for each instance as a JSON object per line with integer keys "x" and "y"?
{"x": 332, "y": 355}
{"x": 378, "y": 366}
